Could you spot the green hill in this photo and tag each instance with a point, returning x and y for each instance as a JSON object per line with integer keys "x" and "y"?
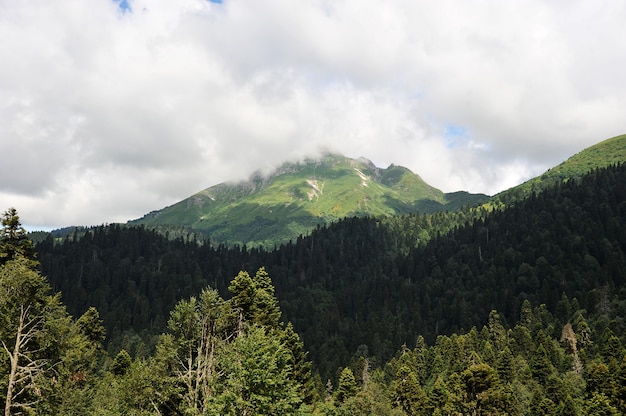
{"x": 295, "y": 198}
{"x": 375, "y": 282}
{"x": 606, "y": 153}
{"x": 518, "y": 310}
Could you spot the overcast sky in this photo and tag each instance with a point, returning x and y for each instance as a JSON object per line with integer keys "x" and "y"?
{"x": 110, "y": 110}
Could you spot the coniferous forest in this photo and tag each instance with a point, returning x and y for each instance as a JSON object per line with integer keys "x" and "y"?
{"x": 517, "y": 310}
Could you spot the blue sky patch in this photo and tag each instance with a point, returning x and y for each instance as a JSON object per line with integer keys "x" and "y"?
{"x": 455, "y": 135}
{"x": 123, "y": 4}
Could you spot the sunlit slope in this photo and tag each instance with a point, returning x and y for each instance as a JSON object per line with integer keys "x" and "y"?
{"x": 297, "y": 197}
{"x": 606, "y": 153}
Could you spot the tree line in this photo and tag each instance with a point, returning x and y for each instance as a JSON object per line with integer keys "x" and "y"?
{"x": 237, "y": 356}
{"x": 374, "y": 282}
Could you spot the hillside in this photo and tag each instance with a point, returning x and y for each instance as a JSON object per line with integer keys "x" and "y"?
{"x": 295, "y": 198}
{"x": 367, "y": 281}
{"x": 517, "y": 310}
{"x": 601, "y": 155}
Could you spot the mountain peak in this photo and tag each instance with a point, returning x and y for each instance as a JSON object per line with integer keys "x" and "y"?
{"x": 291, "y": 200}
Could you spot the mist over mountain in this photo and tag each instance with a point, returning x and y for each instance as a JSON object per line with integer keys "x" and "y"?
{"x": 295, "y": 198}
{"x": 523, "y": 294}
{"x": 356, "y": 273}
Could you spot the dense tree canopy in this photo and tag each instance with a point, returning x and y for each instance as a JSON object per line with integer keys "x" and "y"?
{"x": 512, "y": 311}
{"x": 48, "y": 361}
{"x": 375, "y": 282}
{"x": 14, "y": 240}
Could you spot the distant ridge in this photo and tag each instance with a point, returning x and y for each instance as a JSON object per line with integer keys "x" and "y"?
{"x": 297, "y": 197}
{"x": 606, "y": 153}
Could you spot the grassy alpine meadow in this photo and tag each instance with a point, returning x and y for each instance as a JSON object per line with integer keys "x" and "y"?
{"x": 296, "y": 197}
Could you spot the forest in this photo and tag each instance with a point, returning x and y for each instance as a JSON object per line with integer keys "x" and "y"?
{"x": 516, "y": 310}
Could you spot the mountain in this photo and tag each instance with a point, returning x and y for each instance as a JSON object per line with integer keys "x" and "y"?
{"x": 374, "y": 282}
{"x": 518, "y": 310}
{"x": 512, "y": 311}
{"x": 606, "y": 153}
{"x": 297, "y": 197}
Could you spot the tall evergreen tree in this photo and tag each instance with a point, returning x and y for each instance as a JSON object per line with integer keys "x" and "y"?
{"x": 255, "y": 377}
{"x": 406, "y": 391}
{"x": 49, "y": 361}
{"x": 346, "y": 387}
{"x": 14, "y": 240}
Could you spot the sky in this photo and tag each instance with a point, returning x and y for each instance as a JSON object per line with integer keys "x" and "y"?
{"x": 111, "y": 109}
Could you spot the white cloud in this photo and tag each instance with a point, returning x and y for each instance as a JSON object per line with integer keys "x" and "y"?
{"x": 108, "y": 114}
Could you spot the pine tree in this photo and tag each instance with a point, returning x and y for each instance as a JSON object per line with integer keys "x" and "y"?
{"x": 14, "y": 240}
{"x": 346, "y": 387}
{"x": 438, "y": 395}
{"x": 91, "y": 326}
{"x": 81, "y": 356}
{"x": 243, "y": 290}
{"x": 478, "y": 378}
{"x": 620, "y": 382}
{"x": 600, "y": 405}
{"x": 497, "y": 333}
{"x": 598, "y": 378}
{"x": 27, "y": 311}
{"x": 540, "y": 365}
{"x": 121, "y": 363}
{"x": 266, "y": 310}
{"x": 583, "y": 332}
{"x": 300, "y": 366}
{"x": 569, "y": 338}
{"x": 200, "y": 326}
{"x": 255, "y": 298}
{"x": 406, "y": 391}
{"x": 505, "y": 366}
{"x": 254, "y": 377}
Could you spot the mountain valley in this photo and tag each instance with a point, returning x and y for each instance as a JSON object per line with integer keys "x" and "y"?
{"x": 509, "y": 305}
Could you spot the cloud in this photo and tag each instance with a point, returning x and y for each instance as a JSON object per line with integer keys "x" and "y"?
{"x": 111, "y": 110}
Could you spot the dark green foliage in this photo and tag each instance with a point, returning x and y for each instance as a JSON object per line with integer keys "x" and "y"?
{"x": 48, "y": 362}
{"x": 380, "y": 282}
{"x": 254, "y": 298}
{"x": 301, "y": 368}
{"x": 375, "y": 284}
{"x": 406, "y": 392}
{"x": 540, "y": 364}
{"x": 347, "y": 386}
{"x": 121, "y": 363}
{"x": 505, "y": 365}
{"x": 600, "y": 405}
{"x": 14, "y": 240}
{"x": 91, "y": 325}
{"x": 235, "y": 357}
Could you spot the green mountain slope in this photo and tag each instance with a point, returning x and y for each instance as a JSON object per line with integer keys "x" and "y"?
{"x": 548, "y": 271}
{"x": 606, "y": 153}
{"x": 295, "y": 198}
{"x": 365, "y": 281}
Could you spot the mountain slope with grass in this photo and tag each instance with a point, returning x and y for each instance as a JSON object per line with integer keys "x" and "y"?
{"x": 297, "y": 197}
{"x": 606, "y": 153}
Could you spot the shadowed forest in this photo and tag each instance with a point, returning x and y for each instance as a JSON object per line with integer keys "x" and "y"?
{"x": 517, "y": 310}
